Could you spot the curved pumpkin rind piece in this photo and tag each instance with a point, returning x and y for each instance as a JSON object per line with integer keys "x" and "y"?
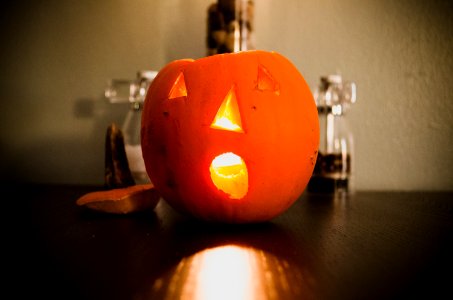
{"x": 122, "y": 200}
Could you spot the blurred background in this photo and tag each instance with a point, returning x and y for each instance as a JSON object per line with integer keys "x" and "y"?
{"x": 57, "y": 57}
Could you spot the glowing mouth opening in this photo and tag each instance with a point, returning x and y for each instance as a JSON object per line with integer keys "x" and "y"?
{"x": 229, "y": 174}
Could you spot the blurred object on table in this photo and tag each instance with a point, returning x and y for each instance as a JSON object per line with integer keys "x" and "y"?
{"x": 230, "y": 26}
{"x": 334, "y": 167}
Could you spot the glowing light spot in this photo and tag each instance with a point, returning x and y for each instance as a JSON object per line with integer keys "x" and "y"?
{"x": 179, "y": 88}
{"x": 229, "y": 174}
{"x": 226, "y": 264}
{"x": 228, "y": 116}
{"x": 233, "y": 272}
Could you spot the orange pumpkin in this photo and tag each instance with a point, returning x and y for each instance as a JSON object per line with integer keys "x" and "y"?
{"x": 230, "y": 137}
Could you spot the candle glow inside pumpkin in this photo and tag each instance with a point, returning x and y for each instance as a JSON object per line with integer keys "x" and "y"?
{"x": 229, "y": 174}
{"x": 228, "y": 116}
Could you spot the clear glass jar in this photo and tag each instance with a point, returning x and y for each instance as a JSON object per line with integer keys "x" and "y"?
{"x": 333, "y": 171}
{"x": 134, "y": 92}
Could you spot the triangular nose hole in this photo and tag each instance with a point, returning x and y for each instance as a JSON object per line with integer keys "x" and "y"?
{"x": 228, "y": 116}
{"x": 266, "y": 82}
{"x": 179, "y": 88}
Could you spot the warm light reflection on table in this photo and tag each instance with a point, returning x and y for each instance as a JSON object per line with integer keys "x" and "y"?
{"x": 230, "y": 272}
{"x": 221, "y": 273}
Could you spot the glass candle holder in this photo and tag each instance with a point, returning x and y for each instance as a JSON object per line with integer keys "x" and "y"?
{"x": 333, "y": 171}
{"x": 133, "y": 92}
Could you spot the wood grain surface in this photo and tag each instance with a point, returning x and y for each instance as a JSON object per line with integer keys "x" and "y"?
{"x": 371, "y": 245}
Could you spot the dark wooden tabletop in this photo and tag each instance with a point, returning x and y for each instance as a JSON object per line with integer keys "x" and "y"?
{"x": 371, "y": 245}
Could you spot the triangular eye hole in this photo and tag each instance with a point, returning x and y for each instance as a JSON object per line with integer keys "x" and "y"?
{"x": 179, "y": 88}
{"x": 228, "y": 116}
{"x": 266, "y": 82}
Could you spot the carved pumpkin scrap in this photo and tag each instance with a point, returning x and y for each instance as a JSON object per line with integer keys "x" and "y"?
{"x": 230, "y": 137}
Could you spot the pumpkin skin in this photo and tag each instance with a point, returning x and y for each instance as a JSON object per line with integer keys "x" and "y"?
{"x": 278, "y": 142}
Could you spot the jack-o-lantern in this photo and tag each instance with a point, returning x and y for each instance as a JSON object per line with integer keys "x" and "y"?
{"x": 230, "y": 137}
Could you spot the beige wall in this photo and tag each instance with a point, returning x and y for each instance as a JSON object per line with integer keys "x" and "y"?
{"x": 57, "y": 56}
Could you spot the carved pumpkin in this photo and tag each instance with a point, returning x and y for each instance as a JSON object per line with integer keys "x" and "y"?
{"x": 230, "y": 137}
